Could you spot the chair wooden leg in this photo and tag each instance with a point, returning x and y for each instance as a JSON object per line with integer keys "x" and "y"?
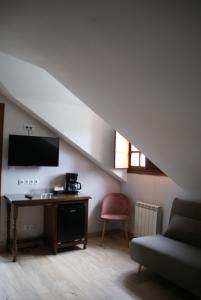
{"x": 139, "y": 268}
{"x": 126, "y": 230}
{"x": 103, "y": 232}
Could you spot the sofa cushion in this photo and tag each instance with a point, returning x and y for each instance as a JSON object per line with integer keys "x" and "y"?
{"x": 184, "y": 229}
{"x": 174, "y": 260}
{"x": 186, "y": 208}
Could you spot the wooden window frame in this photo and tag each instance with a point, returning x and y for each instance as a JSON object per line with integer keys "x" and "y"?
{"x": 143, "y": 170}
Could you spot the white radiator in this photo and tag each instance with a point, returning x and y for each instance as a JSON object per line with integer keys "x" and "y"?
{"x": 147, "y": 219}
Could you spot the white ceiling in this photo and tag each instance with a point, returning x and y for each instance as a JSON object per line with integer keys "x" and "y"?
{"x": 135, "y": 63}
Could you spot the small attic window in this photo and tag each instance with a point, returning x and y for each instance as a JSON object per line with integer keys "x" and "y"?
{"x": 137, "y": 158}
{"x": 129, "y": 157}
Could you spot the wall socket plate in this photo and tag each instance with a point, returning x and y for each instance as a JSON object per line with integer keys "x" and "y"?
{"x": 29, "y": 127}
{"x": 29, "y": 227}
{"x": 26, "y": 181}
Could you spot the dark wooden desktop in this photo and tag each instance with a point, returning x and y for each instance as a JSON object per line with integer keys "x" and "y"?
{"x": 14, "y": 201}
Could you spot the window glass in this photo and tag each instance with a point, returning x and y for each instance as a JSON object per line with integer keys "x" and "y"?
{"x": 135, "y": 159}
{"x": 142, "y": 160}
{"x": 121, "y": 151}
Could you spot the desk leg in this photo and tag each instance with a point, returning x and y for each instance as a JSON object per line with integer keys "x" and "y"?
{"x": 14, "y": 248}
{"x": 55, "y": 249}
{"x": 8, "y": 226}
{"x": 86, "y": 226}
{"x": 85, "y": 245}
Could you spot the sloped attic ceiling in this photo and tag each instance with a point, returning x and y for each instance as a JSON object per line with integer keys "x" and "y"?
{"x": 41, "y": 95}
{"x": 135, "y": 63}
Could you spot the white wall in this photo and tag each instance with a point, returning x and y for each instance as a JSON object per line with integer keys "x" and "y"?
{"x": 135, "y": 63}
{"x": 54, "y": 105}
{"x": 159, "y": 190}
{"x": 95, "y": 182}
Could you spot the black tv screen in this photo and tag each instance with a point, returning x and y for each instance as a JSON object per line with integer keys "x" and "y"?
{"x": 33, "y": 151}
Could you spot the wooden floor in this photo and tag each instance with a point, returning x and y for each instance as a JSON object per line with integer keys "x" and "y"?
{"x": 97, "y": 273}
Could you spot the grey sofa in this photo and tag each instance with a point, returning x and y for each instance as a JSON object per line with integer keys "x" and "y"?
{"x": 175, "y": 255}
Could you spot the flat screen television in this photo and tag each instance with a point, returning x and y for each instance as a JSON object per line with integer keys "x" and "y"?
{"x": 33, "y": 151}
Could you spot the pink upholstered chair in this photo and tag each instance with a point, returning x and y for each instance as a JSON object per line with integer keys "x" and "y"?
{"x": 115, "y": 207}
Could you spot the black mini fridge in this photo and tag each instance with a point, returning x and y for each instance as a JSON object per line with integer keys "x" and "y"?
{"x": 71, "y": 222}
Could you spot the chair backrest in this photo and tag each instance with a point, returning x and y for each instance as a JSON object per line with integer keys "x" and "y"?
{"x": 115, "y": 203}
{"x": 186, "y": 208}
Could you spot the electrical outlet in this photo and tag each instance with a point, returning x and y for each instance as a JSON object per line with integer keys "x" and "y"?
{"x": 29, "y": 127}
{"x": 28, "y": 181}
{"x": 32, "y": 227}
{"x": 20, "y": 181}
{"x": 29, "y": 227}
{"x": 26, "y": 227}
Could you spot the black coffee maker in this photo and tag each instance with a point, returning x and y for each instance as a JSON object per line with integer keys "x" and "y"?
{"x": 72, "y": 186}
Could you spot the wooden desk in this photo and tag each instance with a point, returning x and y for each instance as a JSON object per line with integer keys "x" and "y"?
{"x": 14, "y": 201}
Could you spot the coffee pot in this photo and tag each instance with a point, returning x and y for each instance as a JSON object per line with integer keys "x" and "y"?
{"x": 72, "y": 185}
